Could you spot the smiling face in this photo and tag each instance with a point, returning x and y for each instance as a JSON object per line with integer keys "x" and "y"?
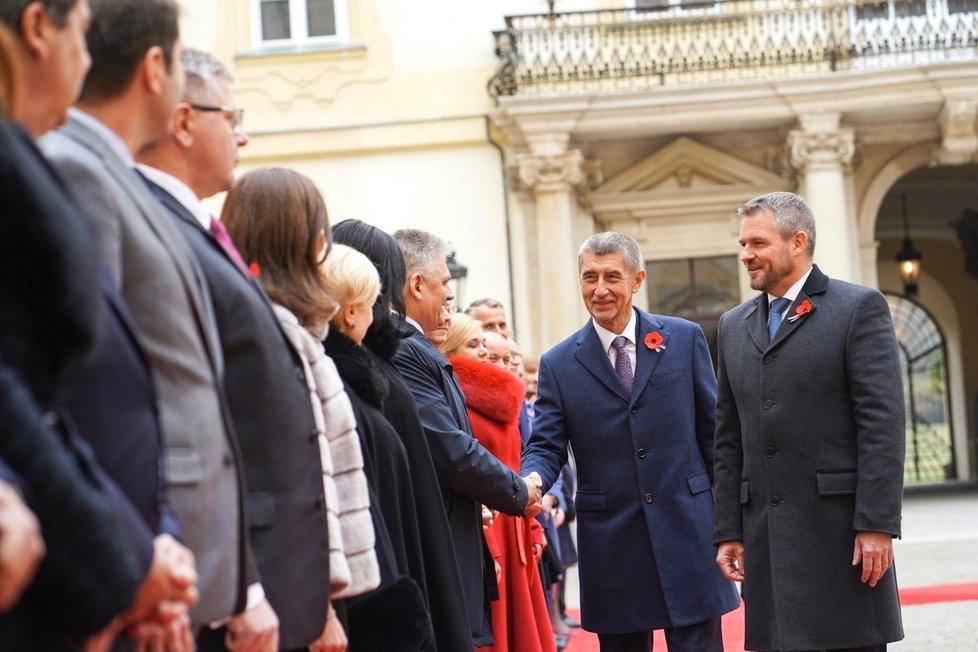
{"x": 427, "y": 301}
{"x": 774, "y": 263}
{"x": 607, "y": 287}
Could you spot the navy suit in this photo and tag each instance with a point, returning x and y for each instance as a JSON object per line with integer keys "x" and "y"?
{"x": 644, "y": 464}
{"x": 269, "y": 402}
{"x": 468, "y": 473}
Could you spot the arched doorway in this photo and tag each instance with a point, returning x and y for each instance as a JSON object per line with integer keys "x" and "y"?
{"x": 923, "y": 362}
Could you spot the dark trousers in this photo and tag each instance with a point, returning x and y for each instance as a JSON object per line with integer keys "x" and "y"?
{"x": 868, "y": 648}
{"x": 699, "y": 637}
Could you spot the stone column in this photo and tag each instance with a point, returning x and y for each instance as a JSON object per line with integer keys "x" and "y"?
{"x": 822, "y": 152}
{"x": 553, "y": 178}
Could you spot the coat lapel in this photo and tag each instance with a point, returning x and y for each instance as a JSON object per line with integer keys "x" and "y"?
{"x": 815, "y": 285}
{"x": 756, "y": 319}
{"x": 646, "y": 359}
{"x": 591, "y": 355}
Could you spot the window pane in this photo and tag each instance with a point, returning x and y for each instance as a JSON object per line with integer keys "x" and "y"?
{"x": 670, "y": 287}
{"x": 716, "y": 284}
{"x": 275, "y": 20}
{"x": 322, "y": 17}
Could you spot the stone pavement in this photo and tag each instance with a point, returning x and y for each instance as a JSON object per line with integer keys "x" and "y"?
{"x": 939, "y": 546}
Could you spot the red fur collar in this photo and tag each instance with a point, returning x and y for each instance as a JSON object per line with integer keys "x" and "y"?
{"x": 490, "y": 390}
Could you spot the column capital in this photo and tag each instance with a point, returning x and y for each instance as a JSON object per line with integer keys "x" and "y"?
{"x": 821, "y": 144}
{"x": 550, "y": 173}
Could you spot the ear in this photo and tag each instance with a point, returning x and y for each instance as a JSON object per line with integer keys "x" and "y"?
{"x": 349, "y": 316}
{"x": 153, "y": 70}
{"x": 799, "y": 242}
{"x": 414, "y": 285}
{"x": 182, "y": 124}
{"x": 34, "y": 26}
{"x": 638, "y": 280}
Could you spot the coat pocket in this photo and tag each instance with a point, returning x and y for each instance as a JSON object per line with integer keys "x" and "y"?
{"x": 836, "y": 483}
{"x": 590, "y": 501}
{"x": 699, "y": 482}
{"x": 744, "y": 492}
{"x": 183, "y": 467}
{"x": 261, "y": 510}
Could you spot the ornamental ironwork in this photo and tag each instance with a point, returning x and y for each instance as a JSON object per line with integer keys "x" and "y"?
{"x": 693, "y": 42}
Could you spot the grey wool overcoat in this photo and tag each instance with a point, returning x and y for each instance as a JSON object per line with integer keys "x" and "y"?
{"x": 809, "y": 449}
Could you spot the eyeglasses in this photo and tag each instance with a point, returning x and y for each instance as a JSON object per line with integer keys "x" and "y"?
{"x": 233, "y": 115}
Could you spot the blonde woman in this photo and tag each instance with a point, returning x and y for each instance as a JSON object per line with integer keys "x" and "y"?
{"x": 277, "y": 219}
{"x": 403, "y": 621}
{"x": 494, "y": 399}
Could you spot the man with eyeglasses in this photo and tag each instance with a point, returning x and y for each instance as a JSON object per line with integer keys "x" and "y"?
{"x": 135, "y": 82}
{"x": 264, "y": 382}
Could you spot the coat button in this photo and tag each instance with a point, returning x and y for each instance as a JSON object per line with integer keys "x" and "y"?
{"x": 776, "y": 501}
{"x": 649, "y": 498}
{"x": 641, "y": 453}
{"x": 771, "y": 450}
{"x": 50, "y": 419}
{"x": 767, "y": 404}
{"x": 768, "y": 359}
{"x": 300, "y": 375}
{"x": 634, "y": 409}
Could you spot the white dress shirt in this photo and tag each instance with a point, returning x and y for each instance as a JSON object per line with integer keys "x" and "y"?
{"x": 607, "y": 337}
{"x": 792, "y": 292}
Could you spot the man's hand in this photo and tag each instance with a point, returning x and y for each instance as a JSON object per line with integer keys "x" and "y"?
{"x": 534, "y": 494}
{"x": 172, "y": 578}
{"x": 21, "y": 546}
{"x": 730, "y": 559}
{"x": 875, "y": 551}
{"x": 175, "y": 636}
{"x": 559, "y": 517}
{"x": 488, "y": 517}
{"x": 253, "y": 630}
{"x": 333, "y": 638}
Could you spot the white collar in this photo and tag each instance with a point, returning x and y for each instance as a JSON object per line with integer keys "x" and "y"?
{"x": 414, "y": 323}
{"x": 793, "y": 291}
{"x": 180, "y": 191}
{"x": 607, "y": 337}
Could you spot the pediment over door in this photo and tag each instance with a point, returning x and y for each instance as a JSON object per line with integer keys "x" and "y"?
{"x": 685, "y": 180}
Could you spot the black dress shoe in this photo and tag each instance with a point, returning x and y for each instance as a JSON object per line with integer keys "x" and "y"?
{"x": 570, "y": 622}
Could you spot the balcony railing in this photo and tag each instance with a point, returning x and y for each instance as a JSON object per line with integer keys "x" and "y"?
{"x": 629, "y": 49}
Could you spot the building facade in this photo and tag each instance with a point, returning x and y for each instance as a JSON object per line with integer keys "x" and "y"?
{"x": 516, "y": 135}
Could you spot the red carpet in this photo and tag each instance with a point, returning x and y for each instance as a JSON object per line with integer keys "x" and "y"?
{"x": 733, "y": 623}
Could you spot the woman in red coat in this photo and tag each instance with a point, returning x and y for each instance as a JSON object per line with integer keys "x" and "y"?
{"x": 494, "y": 398}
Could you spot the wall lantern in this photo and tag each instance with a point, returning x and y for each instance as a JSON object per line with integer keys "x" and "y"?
{"x": 908, "y": 258}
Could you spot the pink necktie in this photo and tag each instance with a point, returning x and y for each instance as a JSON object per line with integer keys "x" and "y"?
{"x": 223, "y": 239}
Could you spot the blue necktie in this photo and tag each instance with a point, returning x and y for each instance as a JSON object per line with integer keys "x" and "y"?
{"x": 777, "y": 310}
{"x": 623, "y": 364}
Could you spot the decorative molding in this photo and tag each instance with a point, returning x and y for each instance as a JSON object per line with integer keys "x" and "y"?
{"x": 821, "y": 144}
{"x": 553, "y": 173}
{"x": 958, "y": 120}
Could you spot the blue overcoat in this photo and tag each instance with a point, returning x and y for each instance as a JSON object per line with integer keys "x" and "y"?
{"x": 645, "y": 465}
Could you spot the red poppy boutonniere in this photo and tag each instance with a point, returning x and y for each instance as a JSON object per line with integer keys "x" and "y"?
{"x": 803, "y": 309}
{"x": 254, "y": 269}
{"x": 654, "y": 341}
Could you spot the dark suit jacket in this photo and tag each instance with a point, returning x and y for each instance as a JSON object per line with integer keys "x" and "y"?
{"x": 112, "y": 402}
{"x": 48, "y": 315}
{"x": 269, "y": 401}
{"x": 809, "y": 449}
{"x": 468, "y": 473}
{"x": 644, "y": 472}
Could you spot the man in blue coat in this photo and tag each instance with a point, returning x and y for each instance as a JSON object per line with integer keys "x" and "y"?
{"x": 634, "y": 394}
{"x": 467, "y": 472}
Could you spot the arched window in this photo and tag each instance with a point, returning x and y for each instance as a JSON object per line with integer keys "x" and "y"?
{"x": 923, "y": 361}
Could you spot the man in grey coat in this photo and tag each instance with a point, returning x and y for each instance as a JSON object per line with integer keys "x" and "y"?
{"x": 810, "y": 445}
{"x": 128, "y": 96}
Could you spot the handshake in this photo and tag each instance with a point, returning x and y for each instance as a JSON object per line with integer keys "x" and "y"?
{"x": 534, "y": 495}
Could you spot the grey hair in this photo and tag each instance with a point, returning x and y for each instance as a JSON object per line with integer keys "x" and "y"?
{"x": 485, "y": 301}
{"x": 791, "y": 214}
{"x": 201, "y": 70}
{"x": 612, "y": 242}
{"x": 422, "y": 250}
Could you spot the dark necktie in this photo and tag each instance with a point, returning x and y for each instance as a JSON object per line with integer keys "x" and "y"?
{"x": 223, "y": 239}
{"x": 623, "y": 365}
{"x": 777, "y": 310}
